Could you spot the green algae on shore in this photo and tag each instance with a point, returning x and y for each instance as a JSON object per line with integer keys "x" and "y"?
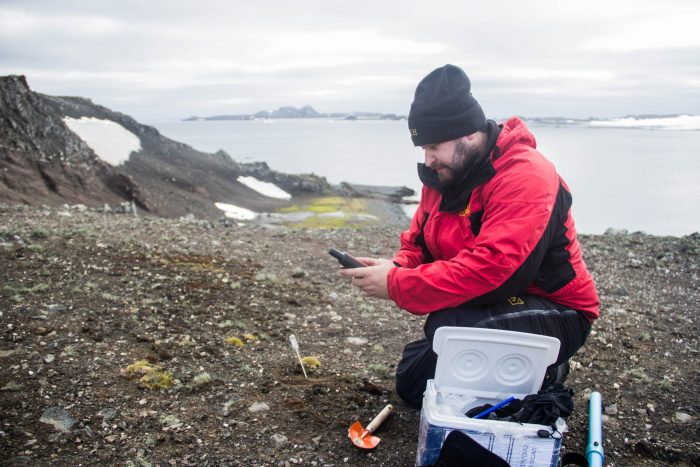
{"x": 332, "y": 212}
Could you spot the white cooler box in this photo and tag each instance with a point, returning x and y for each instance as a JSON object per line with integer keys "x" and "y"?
{"x": 480, "y": 366}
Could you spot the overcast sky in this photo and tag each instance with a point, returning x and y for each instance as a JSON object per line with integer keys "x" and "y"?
{"x": 171, "y": 59}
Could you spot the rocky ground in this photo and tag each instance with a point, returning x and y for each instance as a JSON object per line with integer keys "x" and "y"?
{"x": 145, "y": 341}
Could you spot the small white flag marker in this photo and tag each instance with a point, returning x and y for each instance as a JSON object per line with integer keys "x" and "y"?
{"x": 295, "y": 346}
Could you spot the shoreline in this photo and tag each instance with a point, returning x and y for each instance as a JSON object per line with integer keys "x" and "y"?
{"x": 379, "y": 211}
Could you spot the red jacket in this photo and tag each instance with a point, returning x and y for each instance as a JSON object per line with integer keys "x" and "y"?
{"x": 506, "y": 230}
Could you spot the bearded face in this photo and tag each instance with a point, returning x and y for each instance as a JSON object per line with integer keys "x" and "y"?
{"x": 451, "y": 167}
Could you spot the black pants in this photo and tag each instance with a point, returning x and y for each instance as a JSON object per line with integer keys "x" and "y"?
{"x": 526, "y": 313}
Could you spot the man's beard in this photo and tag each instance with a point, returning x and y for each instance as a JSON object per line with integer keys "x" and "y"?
{"x": 462, "y": 159}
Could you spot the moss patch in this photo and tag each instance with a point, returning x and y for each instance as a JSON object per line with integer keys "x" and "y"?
{"x": 235, "y": 341}
{"x": 23, "y": 290}
{"x": 333, "y": 204}
{"x": 157, "y": 379}
{"x": 152, "y": 376}
{"x": 333, "y": 212}
{"x": 289, "y": 209}
{"x": 311, "y": 362}
{"x": 326, "y": 205}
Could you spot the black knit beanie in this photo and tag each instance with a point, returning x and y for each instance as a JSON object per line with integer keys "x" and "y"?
{"x": 443, "y": 108}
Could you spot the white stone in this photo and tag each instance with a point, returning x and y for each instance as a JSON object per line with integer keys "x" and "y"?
{"x": 58, "y": 418}
{"x": 278, "y": 440}
{"x": 356, "y": 340}
{"x": 259, "y": 407}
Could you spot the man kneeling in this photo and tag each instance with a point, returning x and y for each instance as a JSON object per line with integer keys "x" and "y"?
{"x": 492, "y": 243}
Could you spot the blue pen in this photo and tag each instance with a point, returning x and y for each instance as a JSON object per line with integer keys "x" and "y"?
{"x": 495, "y": 407}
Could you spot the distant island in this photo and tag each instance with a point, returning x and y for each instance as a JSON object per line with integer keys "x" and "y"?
{"x": 640, "y": 121}
{"x": 569, "y": 120}
{"x": 674, "y": 121}
{"x": 302, "y": 112}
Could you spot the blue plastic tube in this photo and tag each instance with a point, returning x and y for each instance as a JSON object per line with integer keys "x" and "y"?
{"x": 495, "y": 407}
{"x": 594, "y": 450}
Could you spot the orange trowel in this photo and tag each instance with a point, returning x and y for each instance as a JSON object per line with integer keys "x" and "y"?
{"x": 362, "y": 437}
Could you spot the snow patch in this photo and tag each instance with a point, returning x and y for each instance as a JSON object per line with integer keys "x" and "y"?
{"x": 680, "y": 122}
{"x": 264, "y": 188}
{"x": 235, "y": 212}
{"x": 111, "y": 142}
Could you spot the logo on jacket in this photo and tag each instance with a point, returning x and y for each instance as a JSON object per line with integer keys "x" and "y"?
{"x": 466, "y": 211}
{"x": 516, "y": 301}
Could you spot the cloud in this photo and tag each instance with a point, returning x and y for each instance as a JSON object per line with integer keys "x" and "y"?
{"x": 180, "y": 58}
{"x": 21, "y": 24}
{"x": 664, "y": 26}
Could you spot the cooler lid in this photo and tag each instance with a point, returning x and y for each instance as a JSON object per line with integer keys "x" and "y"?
{"x": 485, "y": 362}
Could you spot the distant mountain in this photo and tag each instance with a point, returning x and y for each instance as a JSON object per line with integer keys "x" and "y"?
{"x": 303, "y": 112}
{"x": 43, "y": 162}
{"x": 289, "y": 112}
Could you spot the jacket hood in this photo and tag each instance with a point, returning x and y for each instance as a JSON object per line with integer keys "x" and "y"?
{"x": 514, "y": 131}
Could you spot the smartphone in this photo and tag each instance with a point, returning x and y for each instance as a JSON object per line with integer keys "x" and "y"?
{"x": 346, "y": 260}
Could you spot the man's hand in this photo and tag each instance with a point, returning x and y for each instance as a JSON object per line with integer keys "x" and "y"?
{"x": 372, "y": 279}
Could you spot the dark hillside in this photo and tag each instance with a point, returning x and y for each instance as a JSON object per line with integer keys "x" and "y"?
{"x": 43, "y": 162}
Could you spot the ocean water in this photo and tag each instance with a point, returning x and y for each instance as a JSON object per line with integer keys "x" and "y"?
{"x": 625, "y": 178}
